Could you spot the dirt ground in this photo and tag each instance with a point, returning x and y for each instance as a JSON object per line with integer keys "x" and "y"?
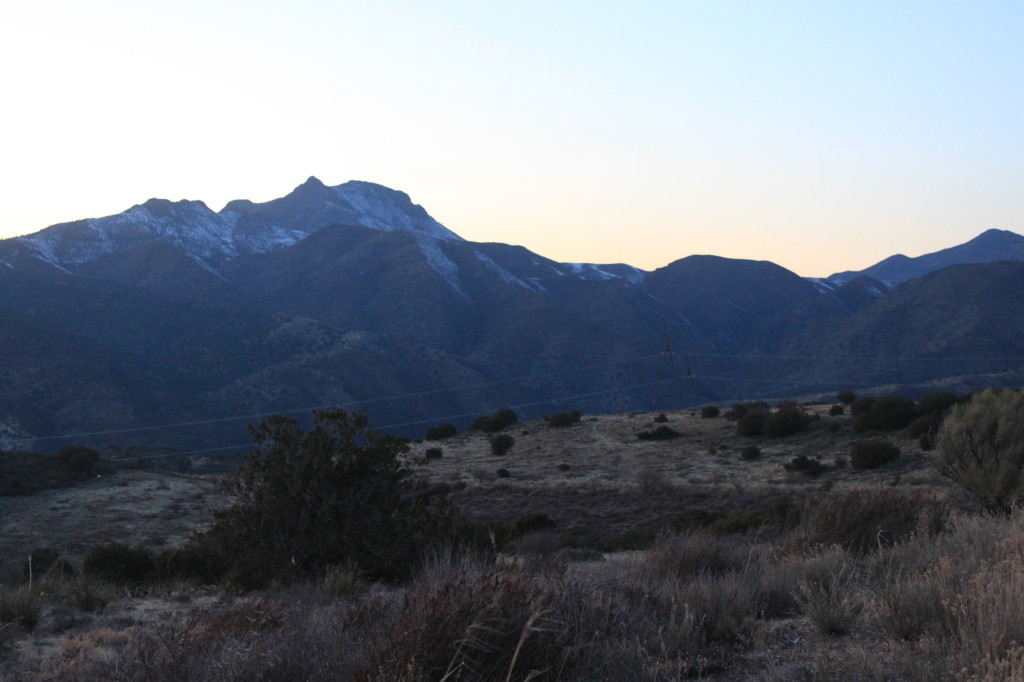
{"x": 598, "y": 473}
{"x": 593, "y": 477}
{"x": 154, "y": 508}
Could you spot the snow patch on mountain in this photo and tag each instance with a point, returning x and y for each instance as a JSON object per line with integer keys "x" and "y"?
{"x": 590, "y": 271}
{"x": 251, "y": 236}
{"x": 383, "y": 208}
{"x": 504, "y": 274}
{"x": 12, "y": 435}
{"x": 188, "y": 225}
{"x": 823, "y": 286}
{"x": 444, "y": 265}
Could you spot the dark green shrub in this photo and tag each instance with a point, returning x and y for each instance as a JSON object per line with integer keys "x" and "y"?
{"x": 506, "y": 416}
{"x": 81, "y": 463}
{"x": 563, "y": 419}
{"x": 926, "y": 423}
{"x": 781, "y": 514}
{"x": 739, "y": 409}
{"x": 119, "y": 564}
{"x": 751, "y": 423}
{"x": 66, "y": 453}
{"x": 862, "y": 520}
{"x": 495, "y": 422}
{"x": 564, "y": 467}
{"x": 890, "y": 413}
{"x": 433, "y": 453}
{"x": 47, "y": 562}
{"x": 501, "y": 444}
{"x": 440, "y": 432}
{"x": 486, "y": 424}
{"x": 694, "y": 519}
{"x": 980, "y": 448}
{"x": 502, "y": 473}
{"x": 661, "y": 432}
{"x": 861, "y": 406}
{"x": 336, "y": 494}
{"x": 661, "y": 419}
{"x": 836, "y": 410}
{"x": 709, "y": 412}
{"x": 803, "y": 464}
{"x": 785, "y": 421}
{"x": 197, "y": 560}
{"x": 750, "y": 452}
{"x": 871, "y": 454}
{"x": 529, "y": 523}
{"x": 936, "y": 402}
{"x": 925, "y": 442}
{"x": 846, "y": 397}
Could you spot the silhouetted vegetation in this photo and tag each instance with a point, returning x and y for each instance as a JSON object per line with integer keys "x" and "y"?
{"x": 737, "y": 411}
{"x": 440, "y": 432}
{"x": 709, "y": 412}
{"x": 750, "y": 452}
{"x": 46, "y": 562}
{"x": 846, "y": 397}
{"x": 803, "y": 464}
{"x": 889, "y": 413}
{"x": 25, "y": 473}
{"x": 661, "y": 432}
{"x": 563, "y": 419}
{"x": 119, "y": 563}
{"x": 787, "y": 420}
{"x": 871, "y": 454}
{"x": 501, "y": 419}
{"x": 861, "y": 406}
{"x": 751, "y": 422}
{"x": 335, "y": 494}
{"x": 501, "y": 443}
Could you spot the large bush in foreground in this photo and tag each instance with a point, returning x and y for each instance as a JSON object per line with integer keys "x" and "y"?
{"x": 335, "y": 494}
{"x": 981, "y": 447}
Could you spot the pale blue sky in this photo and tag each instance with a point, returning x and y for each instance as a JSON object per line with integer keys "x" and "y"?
{"x": 820, "y": 135}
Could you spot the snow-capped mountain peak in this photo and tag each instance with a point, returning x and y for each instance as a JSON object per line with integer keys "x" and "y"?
{"x": 241, "y": 227}
{"x": 383, "y": 208}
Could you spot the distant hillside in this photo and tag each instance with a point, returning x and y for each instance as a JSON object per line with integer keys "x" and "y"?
{"x": 172, "y": 324}
{"x": 988, "y": 247}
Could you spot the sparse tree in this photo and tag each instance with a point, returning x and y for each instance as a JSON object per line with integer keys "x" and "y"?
{"x": 981, "y": 447}
{"x": 337, "y": 493}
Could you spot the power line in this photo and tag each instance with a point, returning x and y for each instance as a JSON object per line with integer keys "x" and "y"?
{"x": 350, "y": 403}
{"x": 397, "y": 425}
{"x": 479, "y": 385}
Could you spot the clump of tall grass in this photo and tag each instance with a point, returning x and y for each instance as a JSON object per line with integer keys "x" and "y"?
{"x": 20, "y": 607}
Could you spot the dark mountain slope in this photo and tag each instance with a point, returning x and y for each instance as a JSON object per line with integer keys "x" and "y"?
{"x": 167, "y": 271}
{"x": 729, "y": 302}
{"x": 965, "y": 319}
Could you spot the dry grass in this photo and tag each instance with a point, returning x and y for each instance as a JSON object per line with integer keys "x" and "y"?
{"x": 945, "y": 607}
{"x": 919, "y": 590}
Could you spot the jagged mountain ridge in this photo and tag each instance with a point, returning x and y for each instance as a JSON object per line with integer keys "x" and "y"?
{"x": 177, "y": 324}
{"x": 241, "y": 227}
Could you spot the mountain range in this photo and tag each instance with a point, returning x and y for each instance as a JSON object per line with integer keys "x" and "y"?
{"x": 170, "y": 323}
